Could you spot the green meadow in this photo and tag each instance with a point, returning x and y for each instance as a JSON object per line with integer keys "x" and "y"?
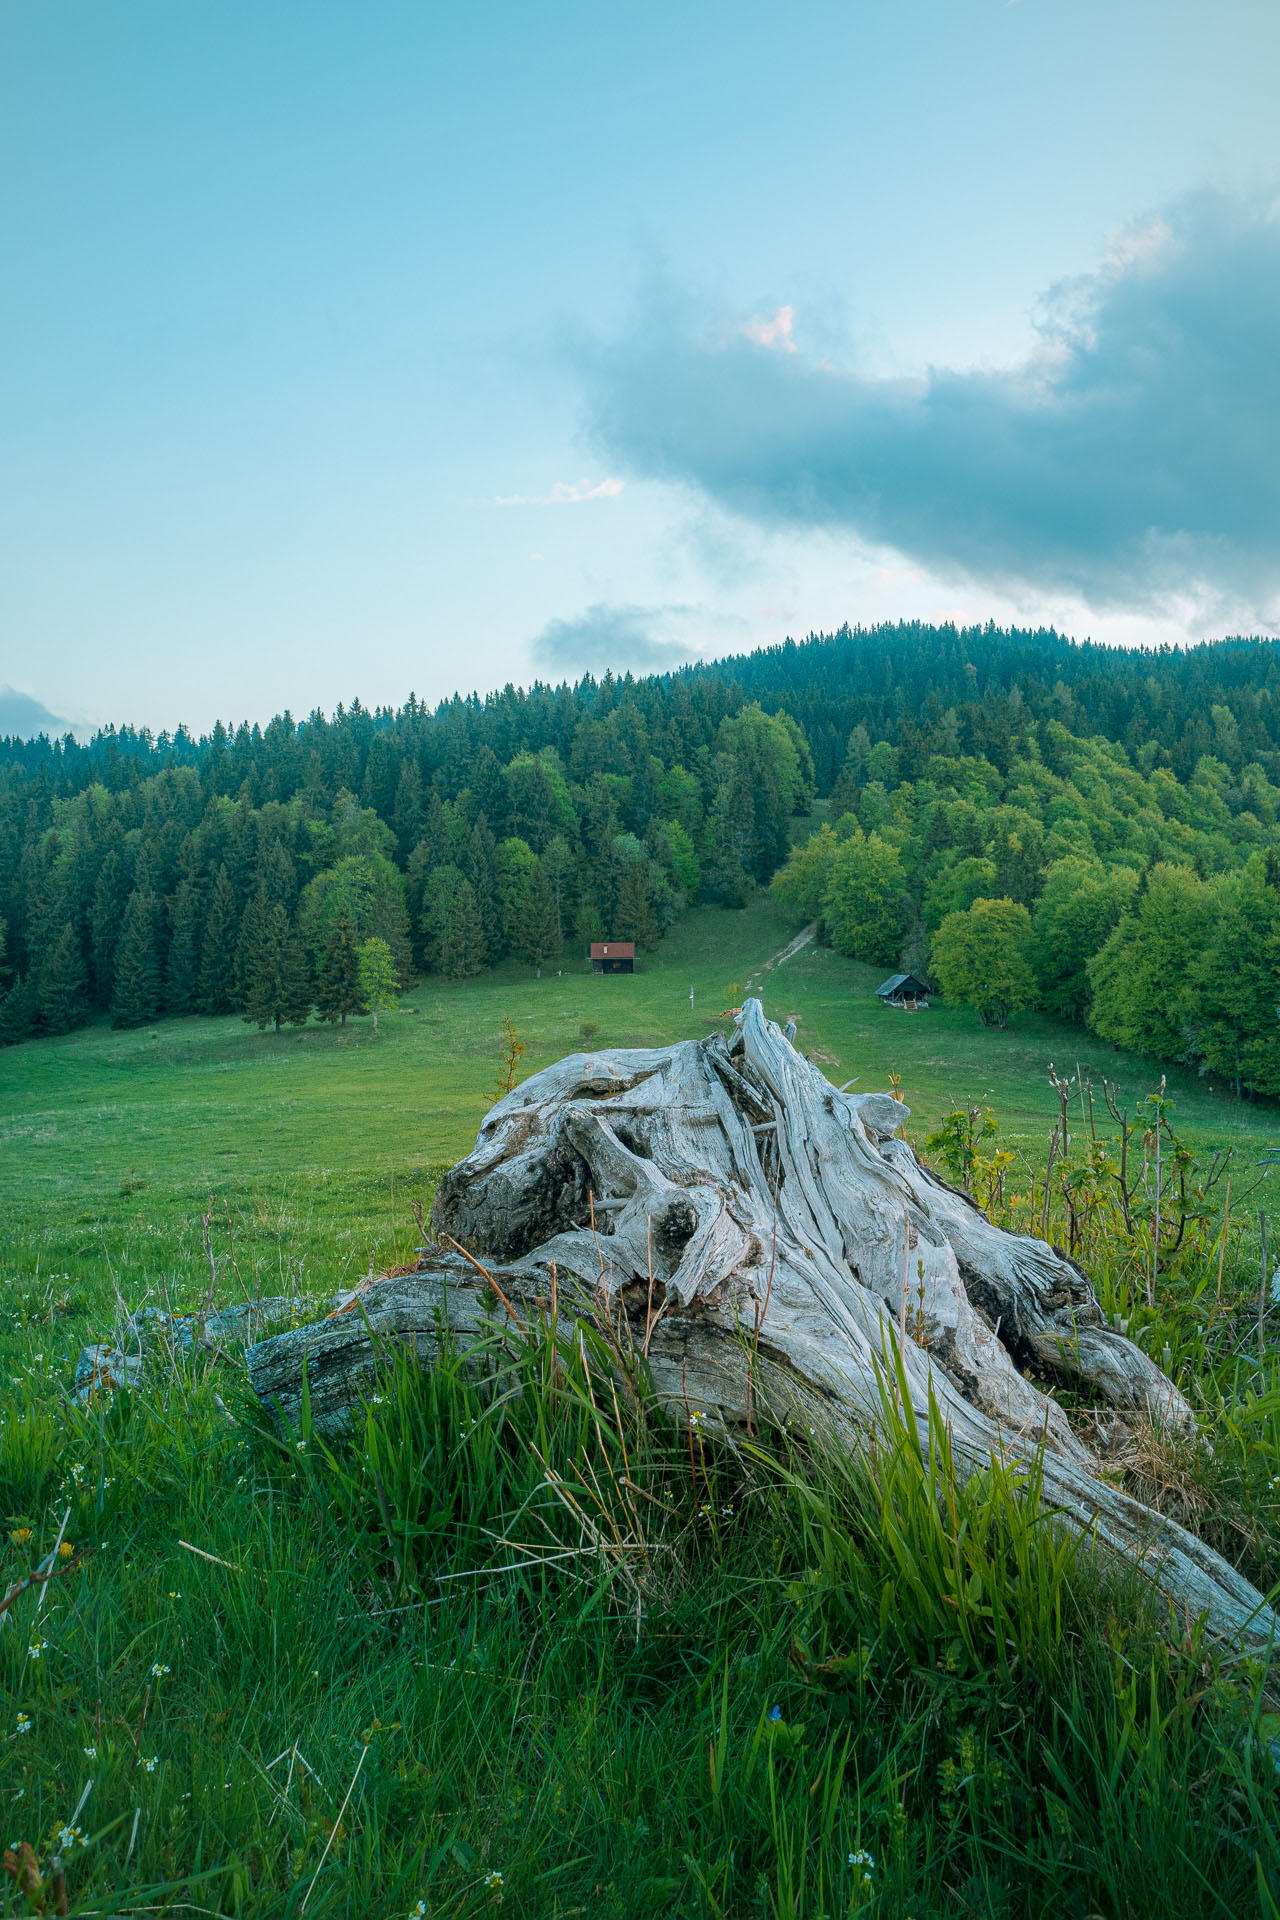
{"x": 112, "y": 1144}
{"x": 392, "y": 1678}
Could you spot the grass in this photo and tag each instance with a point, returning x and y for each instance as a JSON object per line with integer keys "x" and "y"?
{"x": 111, "y": 1143}
{"x": 370, "y": 1698}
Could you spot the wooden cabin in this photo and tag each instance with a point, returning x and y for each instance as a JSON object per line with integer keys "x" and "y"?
{"x": 904, "y": 990}
{"x": 613, "y": 956}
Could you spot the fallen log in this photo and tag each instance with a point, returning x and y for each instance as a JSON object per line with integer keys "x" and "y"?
{"x": 151, "y": 1336}
{"x": 769, "y": 1240}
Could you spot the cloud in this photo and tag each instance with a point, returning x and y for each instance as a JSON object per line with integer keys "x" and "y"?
{"x": 22, "y": 718}
{"x": 620, "y": 638}
{"x": 1131, "y": 459}
{"x": 564, "y": 493}
{"x": 772, "y": 333}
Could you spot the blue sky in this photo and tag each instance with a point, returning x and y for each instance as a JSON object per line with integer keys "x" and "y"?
{"x": 348, "y": 350}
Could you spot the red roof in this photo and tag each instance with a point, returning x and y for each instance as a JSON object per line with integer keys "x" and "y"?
{"x": 613, "y": 949}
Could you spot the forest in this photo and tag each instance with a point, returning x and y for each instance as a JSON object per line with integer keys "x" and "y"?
{"x": 1021, "y": 818}
{"x": 1144, "y": 906}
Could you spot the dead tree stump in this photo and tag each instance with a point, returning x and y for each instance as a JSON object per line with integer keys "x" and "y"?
{"x": 769, "y": 1236}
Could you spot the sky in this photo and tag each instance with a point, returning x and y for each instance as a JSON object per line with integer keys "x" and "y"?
{"x": 353, "y": 350}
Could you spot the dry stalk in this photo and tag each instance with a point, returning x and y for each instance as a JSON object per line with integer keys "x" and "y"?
{"x": 484, "y": 1272}
{"x": 228, "y": 1564}
{"x": 364, "y": 1754}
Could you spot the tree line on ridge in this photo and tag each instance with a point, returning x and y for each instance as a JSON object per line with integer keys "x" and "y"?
{"x": 1101, "y": 821}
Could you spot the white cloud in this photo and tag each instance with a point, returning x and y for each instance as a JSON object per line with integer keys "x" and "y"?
{"x": 1142, "y": 241}
{"x": 773, "y": 333}
{"x": 564, "y": 493}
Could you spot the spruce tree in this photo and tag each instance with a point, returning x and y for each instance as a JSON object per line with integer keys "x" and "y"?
{"x": 542, "y": 938}
{"x": 216, "y": 991}
{"x": 256, "y": 945}
{"x": 106, "y": 917}
{"x": 296, "y": 989}
{"x": 148, "y": 869}
{"x": 182, "y": 967}
{"x": 241, "y": 849}
{"x": 488, "y": 788}
{"x": 442, "y": 887}
{"x": 52, "y": 902}
{"x": 635, "y": 917}
{"x": 440, "y": 829}
{"x": 63, "y": 984}
{"x": 517, "y": 865}
{"x": 278, "y": 874}
{"x": 852, "y": 776}
{"x": 460, "y": 944}
{"x": 338, "y": 979}
{"x": 557, "y": 864}
{"x": 480, "y": 864}
{"x": 20, "y": 1010}
{"x": 406, "y": 812}
{"x": 389, "y": 922}
{"x": 274, "y": 981}
{"x": 138, "y": 970}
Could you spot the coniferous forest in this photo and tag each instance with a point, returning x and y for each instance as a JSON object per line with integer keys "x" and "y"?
{"x": 1019, "y": 818}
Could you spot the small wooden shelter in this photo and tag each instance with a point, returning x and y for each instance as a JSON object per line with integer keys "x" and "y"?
{"x": 904, "y": 990}
{"x": 613, "y": 956}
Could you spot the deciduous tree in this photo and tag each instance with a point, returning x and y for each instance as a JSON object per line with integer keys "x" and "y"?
{"x": 983, "y": 958}
{"x": 377, "y": 979}
{"x": 1143, "y": 995}
{"x": 865, "y": 899}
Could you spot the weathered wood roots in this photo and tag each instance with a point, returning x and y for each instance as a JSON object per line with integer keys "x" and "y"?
{"x": 771, "y": 1241}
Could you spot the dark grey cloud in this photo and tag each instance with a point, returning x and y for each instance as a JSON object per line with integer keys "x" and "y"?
{"x": 614, "y": 637}
{"x": 1136, "y": 452}
{"x": 22, "y": 718}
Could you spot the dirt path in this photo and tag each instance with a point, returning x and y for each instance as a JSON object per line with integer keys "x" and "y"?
{"x": 802, "y": 939}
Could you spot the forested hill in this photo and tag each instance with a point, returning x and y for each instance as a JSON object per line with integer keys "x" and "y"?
{"x": 260, "y": 870}
{"x": 922, "y": 688}
{"x": 945, "y": 689}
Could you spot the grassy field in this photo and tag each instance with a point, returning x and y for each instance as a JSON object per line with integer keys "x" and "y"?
{"x": 279, "y": 1680}
{"x": 316, "y": 1142}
